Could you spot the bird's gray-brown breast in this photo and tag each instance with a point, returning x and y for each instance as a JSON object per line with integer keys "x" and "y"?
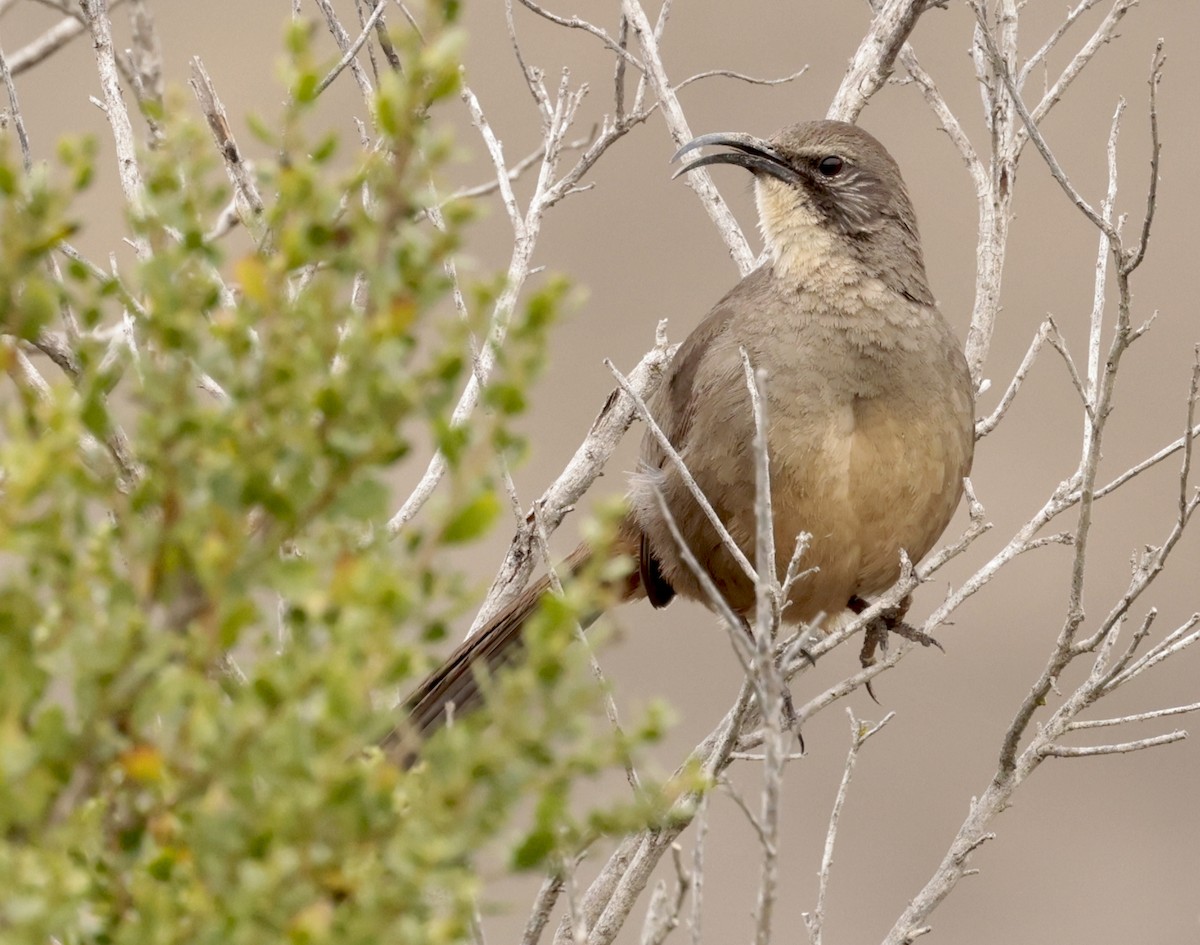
{"x": 870, "y": 434}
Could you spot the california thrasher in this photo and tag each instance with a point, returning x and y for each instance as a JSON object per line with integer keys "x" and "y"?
{"x": 869, "y": 405}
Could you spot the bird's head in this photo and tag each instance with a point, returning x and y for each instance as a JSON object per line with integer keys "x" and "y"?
{"x": 831, "y": 203}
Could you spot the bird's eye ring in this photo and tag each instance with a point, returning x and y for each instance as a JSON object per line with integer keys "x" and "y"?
{"x": 831, "y": 165}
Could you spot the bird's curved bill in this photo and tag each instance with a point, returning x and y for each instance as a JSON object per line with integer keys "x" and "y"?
{"x": 754, "y": 154}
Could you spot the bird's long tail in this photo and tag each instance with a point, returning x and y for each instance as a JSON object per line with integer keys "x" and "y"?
{"x": 453, "y": 688}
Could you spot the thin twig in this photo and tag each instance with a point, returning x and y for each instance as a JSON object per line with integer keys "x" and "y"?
{"x": 1101, "y": 37}
{"x": 14, "y": 111}
{"x": 576, "y": 478}
{"x": 1139, "y": 717}
{"x": 740, "y": 76}
{"x": 730, "y": 620}
{"x": 577, "y": 23}
{"x": 1059, "y": 32}
{"x": 1034, "y": 132}
{"x": 1135, "y": 256}
{"x": 988, "y": 424}
{"x": 128, "y": 170}
{"x": 352, "y": 49}
{"x": 344, "y": 43}
{"x": 873, "y": 60}
{"x": 49, "y": 42}
{"x": 662, "y": 915}
{"x": 543, "y": 905}
{"x": 1090, "y": 751}
{"x": 681, "y": 134}
{"x": 672, "y": 455}
{"x": 859, "y": 733}
{"x": 248, "y": 201}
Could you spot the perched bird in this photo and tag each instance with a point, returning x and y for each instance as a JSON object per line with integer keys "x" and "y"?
{"x": 868, "y": 398}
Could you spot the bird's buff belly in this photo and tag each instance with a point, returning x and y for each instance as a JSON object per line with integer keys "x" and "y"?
{"x": 877, "y": 488}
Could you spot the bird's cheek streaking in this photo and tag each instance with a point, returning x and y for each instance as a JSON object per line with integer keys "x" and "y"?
{"x": 803, "y": 248}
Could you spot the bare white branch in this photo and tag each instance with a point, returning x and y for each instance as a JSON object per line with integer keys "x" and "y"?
{"x": 128, "y": 169}
{"x": 662, "y": 915}
{"x": 14, "y": 111}
{"x": 543, "y": 905}
{"x": 1034, "y": 132}
{"x": 681, "y": 134}
{"x": 49, "y": 42}
{"x": 741, "y": 76}
{"x": 1090, "y": 751}
{"x": 1039, "y": 57}
{"x": 584, "y": 467}
{"x": 1102, "y": 36}
{"x": 988, "y": 424}
{"x": 677, "y": 462}
{"x": 733, "y": 624}
{"x": 247, "y": 200}
{"x": 526, "y": 229}
{"x": 1139, "y": 717}
{"x": 859, "y": 733}
{"x": 872, "y": 62}
{"x": 345, "y": 44}
{"x": 578, "y": 23}
{"x": 352, "y": 50}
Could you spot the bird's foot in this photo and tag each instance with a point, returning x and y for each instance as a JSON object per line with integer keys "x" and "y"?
{"x": 875, "y": 637}
{"x": 791, "y": 718}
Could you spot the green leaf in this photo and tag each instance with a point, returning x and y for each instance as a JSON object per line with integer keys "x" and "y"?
{"x": 471, "y": 520}
{"x": 533, "y": 850}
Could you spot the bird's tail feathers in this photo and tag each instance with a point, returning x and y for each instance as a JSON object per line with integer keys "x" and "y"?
{"x": 453, "y": 688}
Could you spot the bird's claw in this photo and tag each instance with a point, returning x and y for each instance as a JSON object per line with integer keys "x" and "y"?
{"x": 791, "y": 718}
{"x": 890, "y": 620}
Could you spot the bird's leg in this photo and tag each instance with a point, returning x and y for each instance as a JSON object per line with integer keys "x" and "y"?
{"x": 790, "y": 720}
{"x": 891, "y": 620}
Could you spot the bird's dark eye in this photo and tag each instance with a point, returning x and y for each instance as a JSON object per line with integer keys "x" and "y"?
{"x": 831, "y": 165}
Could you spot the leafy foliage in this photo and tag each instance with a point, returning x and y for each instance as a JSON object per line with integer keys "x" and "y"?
{"x": 202, "y": 623}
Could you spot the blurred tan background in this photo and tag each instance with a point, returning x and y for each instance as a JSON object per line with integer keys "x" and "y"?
{"x": 1100, "y": 850}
